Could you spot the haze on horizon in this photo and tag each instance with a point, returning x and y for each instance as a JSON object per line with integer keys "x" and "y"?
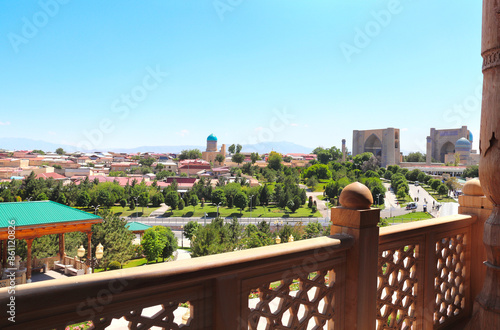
{"x": 129, "y": 74}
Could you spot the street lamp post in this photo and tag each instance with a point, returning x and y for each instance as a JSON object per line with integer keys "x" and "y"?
{"x": 182, "y": 236}
{"x": 96, "y": 208}
{"x": 378, "y": 200}
{"x": 99, "y": 252}
{"x": 218, "y": 209}
{"x": 251, "y": 197}
{"x": 277, "y": 223}
{"x": 205, "y": 219}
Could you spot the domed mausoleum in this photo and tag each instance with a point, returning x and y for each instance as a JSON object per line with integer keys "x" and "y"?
{"x": 463, "y": 148}
{"x": 211, "y": 152}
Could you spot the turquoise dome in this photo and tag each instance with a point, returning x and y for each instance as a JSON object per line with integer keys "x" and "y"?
{"x": 462, "y": 144}
{"x": 212, "y": 137}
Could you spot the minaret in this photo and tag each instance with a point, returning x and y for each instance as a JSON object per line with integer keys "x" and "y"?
{"x": 344, "y": 156}
{"x": 428, "y": 155}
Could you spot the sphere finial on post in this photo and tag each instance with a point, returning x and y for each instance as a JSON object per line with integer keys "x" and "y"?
{"x": 356, "y": 196}
{"x": 473, "y": 188}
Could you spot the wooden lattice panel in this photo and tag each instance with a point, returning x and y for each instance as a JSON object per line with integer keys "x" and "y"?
{"x": 161, "y": 316}
{"x": 450, "y": 276}
{"x": 281, "y": 306}
{"x": 397, "y": 287}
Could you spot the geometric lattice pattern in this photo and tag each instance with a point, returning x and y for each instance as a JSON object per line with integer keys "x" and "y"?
{"x": 397, "y": 287}
{"x": 304, "y": 303}
{"x": 161, "y": 316}
{"x": 449, "y": 277}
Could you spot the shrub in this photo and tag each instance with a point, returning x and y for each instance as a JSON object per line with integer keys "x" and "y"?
{"x": 114, "y": 265}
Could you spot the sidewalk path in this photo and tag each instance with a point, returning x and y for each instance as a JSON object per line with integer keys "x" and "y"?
{"x": 160, "y": 211}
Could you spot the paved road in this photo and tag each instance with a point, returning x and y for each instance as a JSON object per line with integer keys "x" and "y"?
{"x": 177, "y": 222}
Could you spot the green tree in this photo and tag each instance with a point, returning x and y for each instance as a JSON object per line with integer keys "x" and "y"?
{"x": 442, "y": 190}
{"x": 274, "y": 161}
{"x": 193, "y": 201}
{"x": 61, "y": 199}
{"x": 218, "y": 196}
{"x": 132, "y": 204}
{"x": 190, "y": 154}
{"x": 181, "y": 204}
{"x": 415, "y": 157}
{"x": 264, "y": 195}
{"x": 38, "y": 151}
{"x": 238, "y": 148}
{"x": 114, "y": 236}
{"x": 471, "y": 172}
{"x": 190, "y": 229}
{"x": 232, "y": 148}
{"x": 41, "y": 197}
{"x": 219, "y": 158}
{"x": 147, "y": 161}
{"x": 238, "y": 158}
{"x": 241, "y": 201}
{"x": 157, "y": 199}
{"x": 294, "y": 206}
{"x": 83, "y": 199}
{"x": 105, "y": 198}
{"x": 143, "y": 200}
{"x": 319, "y": 171}
{"x": 314, "y": 229}
{"x": 401, "y": 193}
{"x": 158, "y": 241}
{"x": 172, "y": 199}
{"x": 435, "y": 183}
{"x": 123, "y": 203}
{"x": 60, "y": 151}
{"x": 254, "y": 156}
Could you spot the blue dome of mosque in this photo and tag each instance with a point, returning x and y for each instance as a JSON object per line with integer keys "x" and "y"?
{"x": 463, "y": 144}
{"x": 211, "y": 137}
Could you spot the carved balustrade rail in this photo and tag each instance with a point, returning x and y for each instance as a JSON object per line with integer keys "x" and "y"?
{"x": 216, "y": 289}
{"x": 424, "y": 273}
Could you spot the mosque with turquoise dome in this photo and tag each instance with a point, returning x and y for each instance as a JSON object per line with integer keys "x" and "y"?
{"x": 211, "y": 152}
{"x": 447, "y": 145}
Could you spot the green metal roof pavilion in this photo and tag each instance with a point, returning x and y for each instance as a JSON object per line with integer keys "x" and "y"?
{"x": 41, "y": 213}
{"x": 36, "y": 219}
{"x": 137, "y": 226}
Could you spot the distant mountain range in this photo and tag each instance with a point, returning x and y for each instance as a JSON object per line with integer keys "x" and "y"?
{"x": 264, "y": 147}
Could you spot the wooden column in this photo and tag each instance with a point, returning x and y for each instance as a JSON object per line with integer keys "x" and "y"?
{"x": 357, "y": 219}
{"x": 4, "y": 254}
{"x": 487, "y": 306}
{"x": 61, "y": 247}
{"x": 29, "y": 241}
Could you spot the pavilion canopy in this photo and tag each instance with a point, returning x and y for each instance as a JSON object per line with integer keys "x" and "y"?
{"x": 35, "y": 219}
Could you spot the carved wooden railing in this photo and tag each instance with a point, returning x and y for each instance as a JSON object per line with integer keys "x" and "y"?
{"x": 217, "y": 289}
{"x": 423, "y": 273}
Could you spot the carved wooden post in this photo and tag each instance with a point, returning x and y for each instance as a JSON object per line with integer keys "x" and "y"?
{"x": 487, "y": 307}
{"x": 61, "y": 247}
{"x": 28, "y": 260}
{"x": 473, "y": 202}
{"x": 357, "y": 219}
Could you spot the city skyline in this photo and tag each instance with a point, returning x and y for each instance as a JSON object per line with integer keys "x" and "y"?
{"x": 105, "y": 76}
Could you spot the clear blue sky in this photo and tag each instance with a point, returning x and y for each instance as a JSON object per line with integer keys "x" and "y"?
{"x": 228, "y": 69}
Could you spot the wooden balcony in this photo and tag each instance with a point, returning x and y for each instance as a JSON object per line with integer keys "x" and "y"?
{"x": 423, "y": 278}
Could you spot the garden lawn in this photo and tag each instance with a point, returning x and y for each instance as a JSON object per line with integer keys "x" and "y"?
{"x": 437, "y": 197}
{"x": 119, "y": 211}
{"x": 271, "y": 211}
{"x": 132, "y": 263}
{"x": 414, "y": 216}
{"x": 404, "y": 201}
